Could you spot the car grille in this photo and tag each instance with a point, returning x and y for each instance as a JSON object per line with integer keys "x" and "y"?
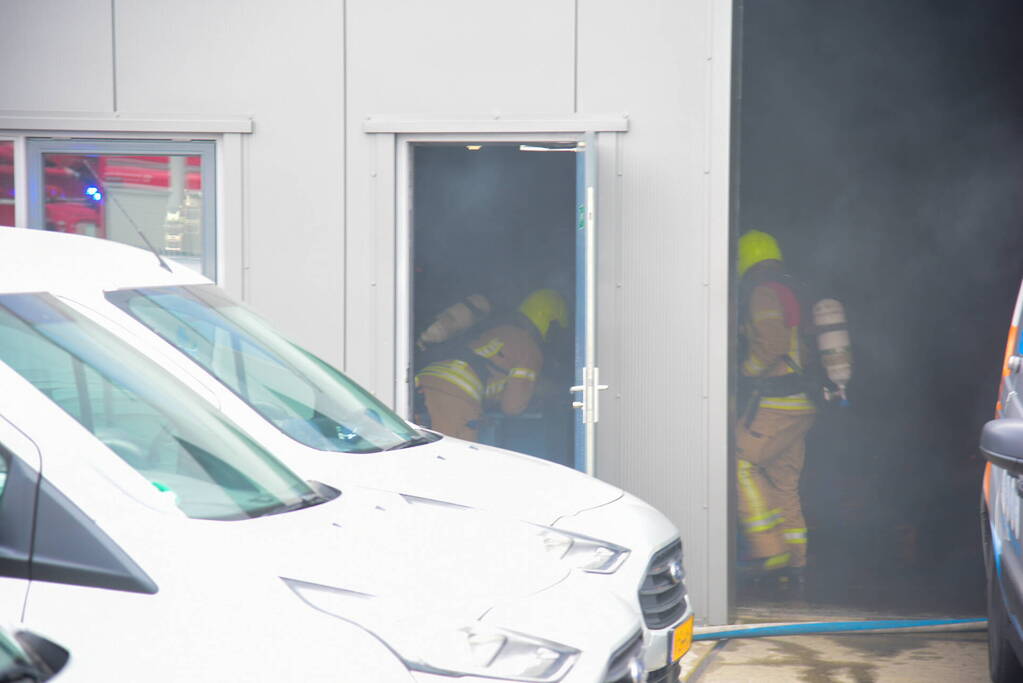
{"x": 662, "y": 597}
{"x": 626, "y": 665}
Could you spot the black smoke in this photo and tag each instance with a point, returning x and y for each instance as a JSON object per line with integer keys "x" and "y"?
{"x": 882, "y": 143}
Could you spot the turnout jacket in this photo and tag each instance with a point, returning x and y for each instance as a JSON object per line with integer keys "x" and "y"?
{"x": 514, "y": 363}
{"x": 774, "y": 343}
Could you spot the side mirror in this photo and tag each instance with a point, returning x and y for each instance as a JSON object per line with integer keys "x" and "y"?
{"x": 50, "y": 656}
{"x": 1001, "y": 443}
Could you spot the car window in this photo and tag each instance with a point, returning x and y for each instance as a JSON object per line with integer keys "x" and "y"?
{"x": 168, "y": 434}
{"x": 15, "y": 664}
{"x": 301, "y": 395}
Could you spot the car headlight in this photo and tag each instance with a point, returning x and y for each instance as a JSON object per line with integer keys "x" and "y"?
{"x": 472, "y": 649}
{"x": 583, "y": 552}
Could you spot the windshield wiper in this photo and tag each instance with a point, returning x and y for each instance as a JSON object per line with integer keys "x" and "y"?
{"x": 306, "y": 501}
{"x": 417, "y": 440}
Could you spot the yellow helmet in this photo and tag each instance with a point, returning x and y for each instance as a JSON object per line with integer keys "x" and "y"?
{"x": 544, "y": 306}
{"x": 756, "y": 246}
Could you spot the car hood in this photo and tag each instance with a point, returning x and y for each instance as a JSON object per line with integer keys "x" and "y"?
{"x": 384, "y": 553}
{"x": 477, "y": 476}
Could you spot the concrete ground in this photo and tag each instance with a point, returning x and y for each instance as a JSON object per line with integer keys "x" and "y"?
{"x": 838, "y": 658}
{"x": 956, "y": 658}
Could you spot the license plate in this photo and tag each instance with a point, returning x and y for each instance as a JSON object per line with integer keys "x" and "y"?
{"x": 681, "y": 639}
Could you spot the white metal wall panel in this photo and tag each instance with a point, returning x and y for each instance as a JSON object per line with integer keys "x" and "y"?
{"x": 460, "y": 56}
{"x": 655, "y": 436}
{"x": 56, "y": 55}
{"x": 281, "y": 63}
{"x": 457, "y": 58}
{"x": 316, "y": 194}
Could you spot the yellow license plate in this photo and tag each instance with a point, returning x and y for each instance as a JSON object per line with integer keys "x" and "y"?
{"x": 681, "y": 640}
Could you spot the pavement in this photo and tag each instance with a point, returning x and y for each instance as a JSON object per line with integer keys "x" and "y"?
{"x": 864, "y": 658}
{"x": 838, "y": 658}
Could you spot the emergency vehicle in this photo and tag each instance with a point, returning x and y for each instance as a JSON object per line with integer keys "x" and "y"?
{"x": 1001, "y": 443}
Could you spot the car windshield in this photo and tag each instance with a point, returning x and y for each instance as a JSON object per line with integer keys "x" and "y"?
{"x": 167, "y": 433}
{"x": 301, "y": 395}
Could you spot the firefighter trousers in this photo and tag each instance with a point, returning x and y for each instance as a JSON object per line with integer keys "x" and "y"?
{"x": 769, "y": 461}
{"x": 451, "y": 410}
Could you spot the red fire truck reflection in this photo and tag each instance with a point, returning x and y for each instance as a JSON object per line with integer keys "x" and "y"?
{"x": 161, "y": 194}
{"x": 6, "y": 183}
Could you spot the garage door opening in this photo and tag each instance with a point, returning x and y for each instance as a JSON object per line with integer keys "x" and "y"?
{"x": 493, "y": 223}
{"x": 890, "y": 172}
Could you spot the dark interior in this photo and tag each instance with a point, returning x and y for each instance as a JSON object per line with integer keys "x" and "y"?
{"x": 499, "y": 221}
{"x": 882, "y": 144}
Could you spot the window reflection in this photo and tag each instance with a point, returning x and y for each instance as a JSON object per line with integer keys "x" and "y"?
{"x": 6, "y": 182}
{"x": 102, "y": 195}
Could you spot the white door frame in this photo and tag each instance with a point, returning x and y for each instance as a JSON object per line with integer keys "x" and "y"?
{"x": 378, "y": 232}
{"x": 403, "y": 235}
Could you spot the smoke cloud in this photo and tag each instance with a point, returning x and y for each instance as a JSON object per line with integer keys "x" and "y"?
{"x": 882, "y": 143}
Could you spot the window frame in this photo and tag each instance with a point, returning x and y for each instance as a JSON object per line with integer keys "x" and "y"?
{"x": 206, "y": 149}
{"x": 18, "y": 143}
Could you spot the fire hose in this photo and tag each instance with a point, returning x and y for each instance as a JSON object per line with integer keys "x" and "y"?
{"x": 821, "y": 627}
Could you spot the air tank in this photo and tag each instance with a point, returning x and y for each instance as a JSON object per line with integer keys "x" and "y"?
{"x": 454, "y": 320}
{"x": 833, "y": 342}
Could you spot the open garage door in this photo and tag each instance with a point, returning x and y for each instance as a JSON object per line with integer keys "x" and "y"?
{"x": 880, "y": 143}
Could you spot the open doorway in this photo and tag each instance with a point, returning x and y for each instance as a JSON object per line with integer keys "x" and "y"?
{"x": 493, "y": 223}
{"x": 890, "y": 176}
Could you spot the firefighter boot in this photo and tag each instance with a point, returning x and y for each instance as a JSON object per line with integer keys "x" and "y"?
{"x": 792, "y": 584}
{"x": 762, "y": 566}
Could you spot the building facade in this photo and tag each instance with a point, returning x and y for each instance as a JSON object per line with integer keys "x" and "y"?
{"x": 282, "y": 140}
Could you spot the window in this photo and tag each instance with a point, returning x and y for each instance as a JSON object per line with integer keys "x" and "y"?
{"x": 130, "y": 191}
{"x": 15, "y": 663}
{"x": 6, "y": 182}
{"x": 174, "y": 439}
{"x": 301, "y": 395}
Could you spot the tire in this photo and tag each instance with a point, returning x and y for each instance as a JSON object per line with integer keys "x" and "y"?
{"x": 1002, "y": 661}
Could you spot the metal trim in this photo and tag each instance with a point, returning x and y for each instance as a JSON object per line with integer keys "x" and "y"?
{"x": 114, "y": 123}
{"x": 495, "y": 124}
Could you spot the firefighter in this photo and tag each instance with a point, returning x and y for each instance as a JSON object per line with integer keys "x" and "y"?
{"x": 774, "y": 412}
{"x": 498, "y": 367}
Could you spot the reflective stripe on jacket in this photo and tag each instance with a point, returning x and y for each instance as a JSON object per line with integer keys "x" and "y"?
{"x": 458, "y": 373}
{"x": 515, "y": 362}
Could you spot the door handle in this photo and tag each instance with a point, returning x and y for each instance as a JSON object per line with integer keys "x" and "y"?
{"x": 590, "y": 402}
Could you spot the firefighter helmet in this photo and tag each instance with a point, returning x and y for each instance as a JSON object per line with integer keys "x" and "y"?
{"x": 756, "y": 246}
{"x": 543, "y": 307}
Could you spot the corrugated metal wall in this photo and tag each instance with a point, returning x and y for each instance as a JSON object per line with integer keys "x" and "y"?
{"x": 318, "y": 196}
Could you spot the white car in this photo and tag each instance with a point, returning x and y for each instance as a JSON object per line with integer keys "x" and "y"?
{"x": 129, "y": 505}
{"x": 323, "y": 425}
